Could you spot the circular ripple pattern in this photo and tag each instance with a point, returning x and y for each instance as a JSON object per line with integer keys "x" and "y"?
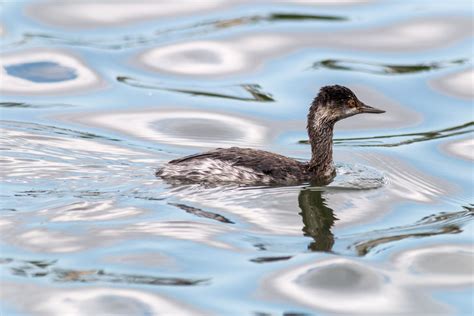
{"x": 45, "y": 72}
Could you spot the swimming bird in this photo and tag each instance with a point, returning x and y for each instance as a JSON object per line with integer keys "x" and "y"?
{"x": 249, "y": 166}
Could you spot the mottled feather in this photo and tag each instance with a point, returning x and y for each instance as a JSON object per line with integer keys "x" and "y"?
{"x": 263, "y": 167}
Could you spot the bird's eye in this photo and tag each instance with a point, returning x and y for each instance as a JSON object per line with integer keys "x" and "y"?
{"x": 351, "y": 103}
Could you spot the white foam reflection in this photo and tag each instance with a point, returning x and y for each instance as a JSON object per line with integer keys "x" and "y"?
{"x": 249, "y": 52}
{"x": 50, "y": 72}
{"x": 213, "y": 57}
{"x": 64, "y": 142}
{"x": 438, "y": 265}
{"x": 42, "y": 152}
{"x": 43, "y": 300}
{"x": 409, "y": 35}
{"x": 403, "y": 183}
{"x": 202, "y": 232}
{"x": 341, "y": 285}
{"x": 105, "y": 210}
{"x": 408, "y": 182}
{"x": 47, "y": 241}
{"x": 459, "y": 84}
{"x": 51, "y": 240}
{"x": 463, "y": 148}
{"x": 195, "y": 58}
{"x": 6, "y": 223}
{"x": 181, "y": 127}
{"x": 88, "y": 14}
{"x": 401, "y": 285}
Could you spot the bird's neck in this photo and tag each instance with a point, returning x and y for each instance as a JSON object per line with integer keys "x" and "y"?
{"x": 321, "y": 166}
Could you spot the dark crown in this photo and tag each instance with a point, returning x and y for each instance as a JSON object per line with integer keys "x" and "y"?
{"x": 334, "y": 93}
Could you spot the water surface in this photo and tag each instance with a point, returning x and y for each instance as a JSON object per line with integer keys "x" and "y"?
{"x": 96, "y": 95}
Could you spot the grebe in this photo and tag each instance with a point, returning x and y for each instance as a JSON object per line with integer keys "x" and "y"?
{"x": 257, "y": 167}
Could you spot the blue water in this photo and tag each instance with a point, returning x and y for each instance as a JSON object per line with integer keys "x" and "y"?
{"x": 41, "y": 72}
{"x": 96, "y": 96}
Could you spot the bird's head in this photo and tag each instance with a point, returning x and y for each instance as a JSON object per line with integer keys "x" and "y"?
{"x": 334, "y": 103}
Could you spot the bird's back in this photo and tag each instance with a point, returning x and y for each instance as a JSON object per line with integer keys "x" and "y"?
{"x": 238, "y": 165}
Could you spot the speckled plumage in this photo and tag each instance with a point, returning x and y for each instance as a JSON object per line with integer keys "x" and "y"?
{"x": 241, "y": 165}
{"x": 255, "y": 167}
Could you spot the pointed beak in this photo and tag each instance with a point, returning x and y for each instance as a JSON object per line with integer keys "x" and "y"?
{"x": 364, "y": 108}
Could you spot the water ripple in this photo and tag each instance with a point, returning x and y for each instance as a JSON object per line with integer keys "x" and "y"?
{"x": 362, "y": 288}
{"x": 182, "y": 127}
{"x": 438, "y": 265}
{"x": 201, "y": 213}
{"x": 44, "y": 268}
{"x": 89, "y": 14}
{"x": 45, "y": 71}
{"x": 201, "y": 232}
{"x": 89, "y": 230}
{"x": 26, "y": 105}
{"x": 249, "y": 52}
{"x": 463, "y": 148}
{"x": 396, "y": 140}
{"x": 93, "y": 300}
{"x": 436, "y": 224}
{"x": 403, "y": 286}
{"x": 459, "y": 84}
{"x": 241, "y": 92}
{"x": 105, "y": 210}
{"x": 272, "y": 210}
{"x": 46, "y": 152}
{"x": 157, "y": 36}
{"x": 384, "y": 69}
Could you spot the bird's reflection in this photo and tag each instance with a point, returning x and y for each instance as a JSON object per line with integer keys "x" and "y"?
{"x": 318, "y": 219}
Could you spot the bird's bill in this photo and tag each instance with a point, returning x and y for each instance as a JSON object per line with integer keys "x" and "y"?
{"x": 364, "y": 108}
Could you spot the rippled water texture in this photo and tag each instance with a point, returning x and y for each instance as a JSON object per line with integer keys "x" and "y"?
{"x": 95, "y": 95}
